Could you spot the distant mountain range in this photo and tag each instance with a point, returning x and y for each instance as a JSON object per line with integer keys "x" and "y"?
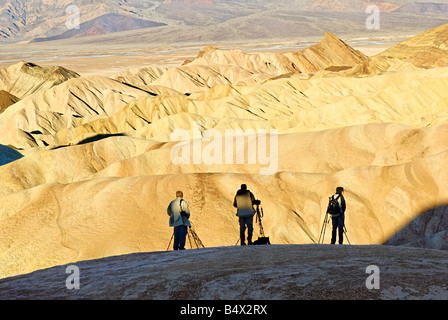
{"x": 108, "y": 23}
{"x": 39, "y": 20}
{"x": 424, "y": 8}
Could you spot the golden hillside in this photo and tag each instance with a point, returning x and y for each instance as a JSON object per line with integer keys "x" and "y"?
{"x": 98, "y": 171}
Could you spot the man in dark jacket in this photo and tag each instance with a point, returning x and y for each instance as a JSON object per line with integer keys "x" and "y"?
{"x": 337, "y": 215}
{"x": 244, "y": 202}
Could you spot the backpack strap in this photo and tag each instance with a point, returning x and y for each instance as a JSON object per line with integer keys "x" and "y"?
{"x": 182, "y": 212}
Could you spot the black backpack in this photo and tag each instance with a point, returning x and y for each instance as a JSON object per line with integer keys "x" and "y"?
{"x": 333, "y": 206}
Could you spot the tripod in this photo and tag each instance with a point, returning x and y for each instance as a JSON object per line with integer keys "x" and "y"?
{"x": 190, "y": 234}
{"x": 324, "y": 227}
{"x": 258, "y": 217}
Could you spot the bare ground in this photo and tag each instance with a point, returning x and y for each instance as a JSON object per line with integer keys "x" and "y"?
{"x": 275, "y": 272}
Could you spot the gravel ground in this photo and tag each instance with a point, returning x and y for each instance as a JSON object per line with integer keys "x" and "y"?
{"x": 274, "y": 272}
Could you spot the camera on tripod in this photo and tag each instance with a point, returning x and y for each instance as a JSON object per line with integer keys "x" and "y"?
{"x": 257, "y": 202}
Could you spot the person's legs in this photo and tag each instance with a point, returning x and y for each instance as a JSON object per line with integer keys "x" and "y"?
{"x": 242, "y": 222}
{"x": 250, "y": 229}
{"x": 182, "y": 237}
{"x": 176, "y": 238}
{"x": 341, "y": 229}
{"x": 334, "y": 222}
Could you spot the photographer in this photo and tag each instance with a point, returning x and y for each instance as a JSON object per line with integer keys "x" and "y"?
{"x": 337, "y": 211}
{"x": 244, "y": 202}
{"x": 179, "y": 213}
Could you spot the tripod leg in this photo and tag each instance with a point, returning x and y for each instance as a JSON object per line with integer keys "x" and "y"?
{"x": 169, "y": 244}
{"x": 193, "y": 235}
{"x": 345, "y": 232}
{"x": 189, "y": 238}
{"x": 198, "y": 241}
{"x": 325, "y": 229}
{"x": 322, "y": 231}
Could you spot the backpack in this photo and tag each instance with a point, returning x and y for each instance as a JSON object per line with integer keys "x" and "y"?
{"x": 262, "y": 240}
{"x": 182, "y": 212}
{"x": 333, "y": 206}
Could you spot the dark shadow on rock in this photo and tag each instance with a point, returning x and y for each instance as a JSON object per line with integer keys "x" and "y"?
{"x": 101, "y": 136}
{"x": 8, "y": 154}
{"x": 429, "y": 230}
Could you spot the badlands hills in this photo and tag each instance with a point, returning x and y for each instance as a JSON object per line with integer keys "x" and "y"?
{"x": 98, "y": 163}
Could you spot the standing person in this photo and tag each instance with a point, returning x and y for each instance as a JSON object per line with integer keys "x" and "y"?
{"x": 244, "y": 201}
{"x": 179, "y": 213}
{"x": 336, "y": 208}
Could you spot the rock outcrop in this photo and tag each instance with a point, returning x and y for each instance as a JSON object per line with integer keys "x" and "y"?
{"x": 25, "y": 78}
{"x": 6, "y": 100}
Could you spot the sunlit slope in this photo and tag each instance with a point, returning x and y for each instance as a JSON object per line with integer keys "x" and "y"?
{"x": 99, "y": 169}
{"x": 109, "y": 197}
